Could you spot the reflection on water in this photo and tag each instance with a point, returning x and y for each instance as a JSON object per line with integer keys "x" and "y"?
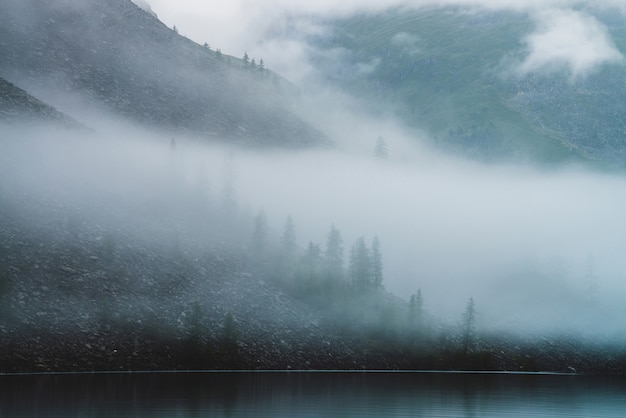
{"x": 278, "y": 394}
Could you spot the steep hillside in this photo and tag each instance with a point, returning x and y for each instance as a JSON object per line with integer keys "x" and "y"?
{"x": 16, "y": 105}
{"x": 452, "y": 72}
{"x": 116, "y": 55}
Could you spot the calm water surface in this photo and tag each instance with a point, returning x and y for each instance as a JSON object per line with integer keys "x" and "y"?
{"x": 311, "y": 395}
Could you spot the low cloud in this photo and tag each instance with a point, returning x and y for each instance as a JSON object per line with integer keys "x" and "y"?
{"x": 568, "y": 40}
{"x": 407, "y": 41}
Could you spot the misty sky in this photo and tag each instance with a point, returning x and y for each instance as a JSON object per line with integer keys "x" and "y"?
{"x": 444, "y": 223}
{"x": 454, "y": 228}
{"x": 567, "y": 37}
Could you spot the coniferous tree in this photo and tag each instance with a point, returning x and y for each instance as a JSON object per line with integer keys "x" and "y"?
{"x": 259, "y": 236}
{"x": 194, "y": 324}
{"x": 286, "y": 259}
{"x": 416, "y": 311}
{"x": 5, "y": 290}
{"x": 230, "y": 334}
{"x": 289, "y": 237}
{"x": 380, "y": 150}
{"x": 360, "y": 266}
{"x": 468, "y": 325}
{"x": 310, "y": 265}
{"x": 230, "y": 345}
{"x": 377, "y": 265}
{"x": 253, "y": 64}
{"x": 333, "y": 256}
{"x": 246, "y": 59}
{"x": 261, "y": 65}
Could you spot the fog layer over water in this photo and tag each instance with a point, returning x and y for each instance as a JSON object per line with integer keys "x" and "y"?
{"x": 536, "y": 249}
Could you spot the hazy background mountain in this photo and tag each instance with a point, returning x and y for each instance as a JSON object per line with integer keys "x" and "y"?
{"x": 470, "y": 79}
{"x": 113, "y": 235}
{"x": 17, "y": 106}
{"x": 86, "y": 57}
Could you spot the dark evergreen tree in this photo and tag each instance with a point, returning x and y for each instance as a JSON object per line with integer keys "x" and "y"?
{"x": 230, "y": 342}
{"x": 310, "y": 266}
{"x": 380, "y": 150}
{"x": 333, "y": 256}
{"x": 194, "y": 325}
{"x": 289, "y": 238}
{"x": 253, "y": 64}
{"x": 377, "y": 265}
{"x": 360, "y": 266}
{"x": 5, "y": 290}
{"x": 416, "y": 311}
{"x": 246, "y": 59}
{"x": 468, "y": 325}
{"x": 259, "y": 236}
{"x": 230, "y": 334}
{"x": 286, "y": 258}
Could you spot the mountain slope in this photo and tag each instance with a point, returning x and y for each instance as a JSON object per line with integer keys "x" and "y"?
{"x": 16, "y": 105}
{"x": 115, "y": 54}
{"x": 453, "y": 73}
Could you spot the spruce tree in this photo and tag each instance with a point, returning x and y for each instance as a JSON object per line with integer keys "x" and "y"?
{"x": 377, "y": 265}
{"x": 333, "y": 256}
{"x": 416, "y": 311}
{"x": 360, "y": 266}
{"x": 380, "y": 150}
{"x": 468, "y": 325}
{"x": 259, "y": 236}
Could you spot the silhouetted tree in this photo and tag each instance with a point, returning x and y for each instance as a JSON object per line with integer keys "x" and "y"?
{"x": 230, "y": 345}
{"x": 230, "y": 334}
{"x": 5, "y": 290}
{"x": 289, "y": 237}
{"x": 377, "y": 265}
{"x": 286, "y": 258}
{"x": 310, "y": 266}
{"x": 207, "y": 46}
{"x": 468, "y": 325}
{"x": 194, "y": 326}
{"x": 416, "y": 310}
{"x": 333, "y": 256}
{"x": 259, "y": 236}
{"x": 360, "y": 266}
{"x": 380, "y": 150}
{"x": 261, "y": 65}
{"x": 253, "y": 64}
{"x": 246, "y": 59}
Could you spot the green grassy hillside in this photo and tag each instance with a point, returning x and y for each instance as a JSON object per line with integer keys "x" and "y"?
{"x": 450, "y": 72}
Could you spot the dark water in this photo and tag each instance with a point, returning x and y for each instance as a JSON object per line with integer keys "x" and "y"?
{"x": 311, "y": 395}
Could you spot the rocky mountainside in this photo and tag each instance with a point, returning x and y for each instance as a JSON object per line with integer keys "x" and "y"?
{"x": 455, "y": 73}
{"x": 78, "y": 295}
{"x": 17, "y": 106}
{"x": 116, "y": 56}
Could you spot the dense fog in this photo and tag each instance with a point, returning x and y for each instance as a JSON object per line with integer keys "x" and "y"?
{"x": 125, "y": 223}
{"x": 537, "y": 249}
